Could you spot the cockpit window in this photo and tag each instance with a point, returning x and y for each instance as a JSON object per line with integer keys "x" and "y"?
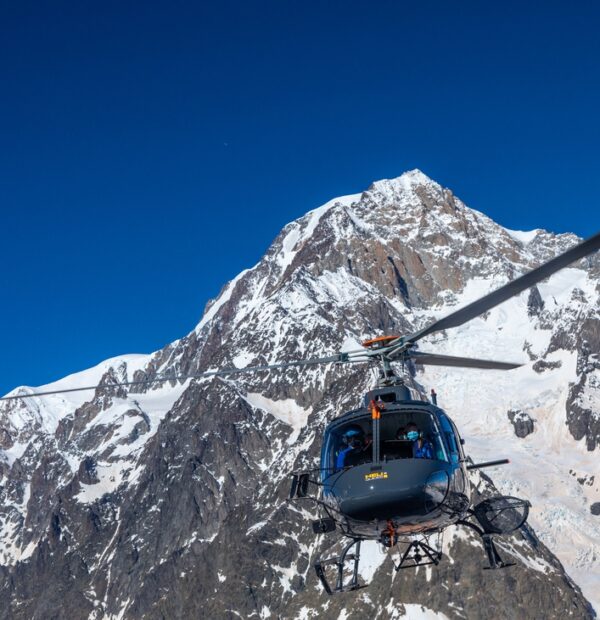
{"x": 408, "y": 434}
{"x": 347, "y": 445}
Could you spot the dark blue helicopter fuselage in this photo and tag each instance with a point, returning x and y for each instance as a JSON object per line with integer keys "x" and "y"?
{"x": 388, "y": 485}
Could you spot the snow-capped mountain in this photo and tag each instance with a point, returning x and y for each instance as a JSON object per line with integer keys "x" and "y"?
{"x": 168, "y": 500}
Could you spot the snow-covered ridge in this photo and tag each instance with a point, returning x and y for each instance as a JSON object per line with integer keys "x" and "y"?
{"x": 523, "y": 236}
{"x": 89, "y": 376}
{"x": 393, "y": 201}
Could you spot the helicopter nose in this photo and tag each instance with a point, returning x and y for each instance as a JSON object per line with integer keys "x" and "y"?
{"x": 407, "y": 489}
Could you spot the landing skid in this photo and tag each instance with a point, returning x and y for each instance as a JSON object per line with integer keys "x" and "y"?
{"x": 497, "y": 516}
{"x": 418, "y": 553}
{"x": 494, "y": 558}
{"x": 340, "y": 563}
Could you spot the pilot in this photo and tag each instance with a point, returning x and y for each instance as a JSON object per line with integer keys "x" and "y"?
{"x": 352, "y": 440}
{"x": 421, "y": 448}
{"x": 363, "y": 455}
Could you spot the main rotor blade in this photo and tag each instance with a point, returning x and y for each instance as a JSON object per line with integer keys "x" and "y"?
{"x": 491, "y": 300}
{"x": 433, "y": 359}
{"x": 339, "y": 358}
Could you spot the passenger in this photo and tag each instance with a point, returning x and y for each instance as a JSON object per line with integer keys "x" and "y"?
{"x": 401, "y": 450}
{"x": 421, "y": 448}
{"x": 352, "y": 439}
{"x": 411, "y": 431}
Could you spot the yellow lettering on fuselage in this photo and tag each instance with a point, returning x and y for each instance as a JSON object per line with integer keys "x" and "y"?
{"x": 376, "y": 475}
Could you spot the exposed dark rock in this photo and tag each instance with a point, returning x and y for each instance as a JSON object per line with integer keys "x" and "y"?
{"x": 527, "y": 348}
{"x": 585, "y": 479}
{"x": 5, "y": 439}
{"x": 87, "y": 471}
{"x": 535, "y": 303}
{"x": 542, "y": 365}
{"x": 522, "y": 422}
{"x": 595, "y": 508}
{"x": 583, "y": 421}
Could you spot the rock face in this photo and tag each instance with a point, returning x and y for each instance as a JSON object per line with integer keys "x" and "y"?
{"x": 583, "y": 415}
{"x": 535, "y": 303}
{"x": 522, "y": 422}
{"x": 168, "y": 500}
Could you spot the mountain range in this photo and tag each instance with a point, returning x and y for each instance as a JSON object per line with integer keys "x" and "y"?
{"x": 168, "y": 500}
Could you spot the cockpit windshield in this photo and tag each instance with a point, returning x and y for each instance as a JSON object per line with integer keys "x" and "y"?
{"x": 403, "y": 435}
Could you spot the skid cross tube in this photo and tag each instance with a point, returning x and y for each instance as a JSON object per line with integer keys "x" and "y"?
{"x": 432, "y": 554}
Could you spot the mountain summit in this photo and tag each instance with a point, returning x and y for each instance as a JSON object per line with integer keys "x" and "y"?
{"x": 168, "y": 500}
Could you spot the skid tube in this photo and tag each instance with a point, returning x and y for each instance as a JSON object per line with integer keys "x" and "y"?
{"x": 340, "y": 562}
{"x": 494, "y": 558}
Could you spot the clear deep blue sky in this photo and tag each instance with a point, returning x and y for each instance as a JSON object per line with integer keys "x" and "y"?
{"x": 150, "y": 151}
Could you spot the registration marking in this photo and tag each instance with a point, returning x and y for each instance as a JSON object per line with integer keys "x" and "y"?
{"x": 377, "y": 475}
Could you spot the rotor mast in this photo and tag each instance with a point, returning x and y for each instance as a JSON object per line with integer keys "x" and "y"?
{"x": 378, "y": 350}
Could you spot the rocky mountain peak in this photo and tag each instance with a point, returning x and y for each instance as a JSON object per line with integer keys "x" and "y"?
{"x": 403, "y": 187}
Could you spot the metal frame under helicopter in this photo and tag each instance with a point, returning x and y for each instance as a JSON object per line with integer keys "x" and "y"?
{"x": 417, "y": 552}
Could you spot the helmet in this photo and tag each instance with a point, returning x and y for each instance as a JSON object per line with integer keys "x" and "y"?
{"x": 352, "y": 433}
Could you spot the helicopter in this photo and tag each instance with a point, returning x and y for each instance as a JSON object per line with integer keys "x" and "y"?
{"x": 394, "y": 469}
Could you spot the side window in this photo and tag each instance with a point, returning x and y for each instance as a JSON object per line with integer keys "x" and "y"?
{"x": 432, "y": 432}
{"x": 450, "y": 437}
{"x": 328, "y": 454}
{"x": 438, "y": 446}
{"x": 457, "y": 436}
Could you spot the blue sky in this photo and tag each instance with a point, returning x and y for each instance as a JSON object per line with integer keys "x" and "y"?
{"x": 150, "y": 151}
